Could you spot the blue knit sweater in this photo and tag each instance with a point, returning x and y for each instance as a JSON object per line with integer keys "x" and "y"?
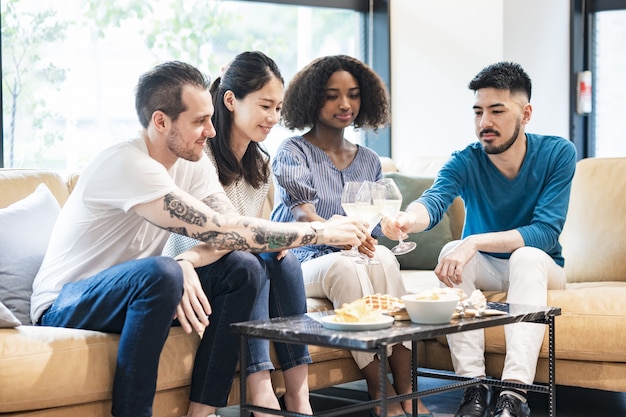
{"x": 534, "y": 202}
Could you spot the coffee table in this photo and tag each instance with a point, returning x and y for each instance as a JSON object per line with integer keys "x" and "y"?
{"x": 307, "y": 329}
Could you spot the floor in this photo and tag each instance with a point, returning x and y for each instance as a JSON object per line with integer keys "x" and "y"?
{"x": 571, "y": 402}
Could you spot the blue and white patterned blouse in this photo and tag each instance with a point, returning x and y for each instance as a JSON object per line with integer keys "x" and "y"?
{"x": 303, "y": 173}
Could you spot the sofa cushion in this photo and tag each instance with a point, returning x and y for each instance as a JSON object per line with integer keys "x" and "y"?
{"x": 594, "y": 234}
{"x": 429, "y": 243}
{"x": 26, "y": 227}
{"x": 48, "y": 367}
{"x": 18, "y": 183}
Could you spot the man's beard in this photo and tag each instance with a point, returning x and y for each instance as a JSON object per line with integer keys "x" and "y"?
{"x": 495, "y": 150}
{"x": 174, "y": 144}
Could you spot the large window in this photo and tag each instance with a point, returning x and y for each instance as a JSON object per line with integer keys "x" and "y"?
{"x": 599, "y": 47}
{"x": 69, "y": 67}
{"x": 608, "y": 125}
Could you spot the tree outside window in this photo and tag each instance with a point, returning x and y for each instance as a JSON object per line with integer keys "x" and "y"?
{"x": 69, "y": 68}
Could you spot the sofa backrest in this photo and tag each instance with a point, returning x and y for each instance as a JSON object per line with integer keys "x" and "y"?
{"x": 594, "y": 235}
{"x": 16, "y": 184}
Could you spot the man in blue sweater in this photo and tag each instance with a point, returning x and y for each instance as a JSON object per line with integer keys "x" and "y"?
{"x": 516, "y": 189}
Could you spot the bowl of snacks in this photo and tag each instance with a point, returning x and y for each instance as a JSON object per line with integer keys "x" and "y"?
{"x": 431, "y": 307}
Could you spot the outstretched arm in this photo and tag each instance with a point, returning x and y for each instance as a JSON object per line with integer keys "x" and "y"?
{"x": 181, "y": 213}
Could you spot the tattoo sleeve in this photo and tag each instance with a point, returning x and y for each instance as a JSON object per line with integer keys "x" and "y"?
{"x": 220, "y": 203}
{"x": 308, "y": 238}
{"x": 178, "y": 209}
{"x": 273, "y": 240}
{"x": 227, "y": 241}
{"x": 178, "y": 230}
{"x": 263, "y": 239}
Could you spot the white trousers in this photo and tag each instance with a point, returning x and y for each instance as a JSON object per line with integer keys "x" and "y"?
{"x": 526, "y": 277}
{"x": 340, "y": 279}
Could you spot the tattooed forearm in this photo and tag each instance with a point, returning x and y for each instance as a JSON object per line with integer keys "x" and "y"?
{"x": 219, "y": 204}
{"x": 227, "y": 241}
{"x": 178, "y": 230}
{"x": 308, "y": 238}
{"x": 177, "y": 208}
{"x": 273, "y": 240}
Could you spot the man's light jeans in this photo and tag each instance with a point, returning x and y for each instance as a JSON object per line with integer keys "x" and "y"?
{"x": 526, "y": 277}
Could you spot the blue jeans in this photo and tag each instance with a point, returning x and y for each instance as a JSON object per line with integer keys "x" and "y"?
{"x": 282, "y": 295}
{"x": 137, "y": 299}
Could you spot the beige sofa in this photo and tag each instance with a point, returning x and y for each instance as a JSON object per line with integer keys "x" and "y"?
{"x": 65, "y": 372}
{"x": 57, "y": 372}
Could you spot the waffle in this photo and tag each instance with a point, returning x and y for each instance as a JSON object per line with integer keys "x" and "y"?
{"x": 385, "y": 303}
{"x": 370, "y": 308}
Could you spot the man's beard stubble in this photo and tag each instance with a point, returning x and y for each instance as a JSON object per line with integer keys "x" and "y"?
{"x": 495, "y": 150}
{"x": 175, "y": 145}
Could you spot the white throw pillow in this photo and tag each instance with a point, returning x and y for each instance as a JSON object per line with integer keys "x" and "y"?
{"x": 7, "y": 319}
{"x": 26, "y": 227}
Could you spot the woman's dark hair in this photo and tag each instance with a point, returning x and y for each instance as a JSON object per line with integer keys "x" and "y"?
{"x": 247, "y": 73}
{"x": 503, "y": 76}
{"x": 306, "y": 93}
{"x": 161, "y": 88}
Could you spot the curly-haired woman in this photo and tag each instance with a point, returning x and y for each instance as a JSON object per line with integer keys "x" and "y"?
{"x": 326, "y": 97}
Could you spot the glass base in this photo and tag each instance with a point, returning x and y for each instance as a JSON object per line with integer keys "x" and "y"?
{"x": 403, "y": 247}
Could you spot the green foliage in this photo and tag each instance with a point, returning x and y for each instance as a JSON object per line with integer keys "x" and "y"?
{"x": 25, "y": 35}
{"x": 104, "y": 14}
{"x": 205, "y": 33}
{"x": 184, "y": 30}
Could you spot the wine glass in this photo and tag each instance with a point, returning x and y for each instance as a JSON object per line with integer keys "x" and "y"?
{"x": 394, "y": 202}
{"x": 370, "y": 203}
{"x": 348, "y": 203}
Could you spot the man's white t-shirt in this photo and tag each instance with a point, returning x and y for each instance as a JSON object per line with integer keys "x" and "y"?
{"x": 97, "y": 227}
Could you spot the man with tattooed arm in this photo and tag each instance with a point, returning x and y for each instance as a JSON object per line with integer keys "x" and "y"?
{"x": 102, "y": 270}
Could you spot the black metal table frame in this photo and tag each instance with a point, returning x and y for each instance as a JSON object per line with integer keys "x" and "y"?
{"x": 380, "y": 349}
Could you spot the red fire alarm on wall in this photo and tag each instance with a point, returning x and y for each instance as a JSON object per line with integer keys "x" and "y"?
{"x": 584, "y": 93}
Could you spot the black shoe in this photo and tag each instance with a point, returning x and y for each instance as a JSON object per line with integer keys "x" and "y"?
{"x": 511, "y": 406}
{"x": 475, "y": 402}
{"x": 281, "y": 402}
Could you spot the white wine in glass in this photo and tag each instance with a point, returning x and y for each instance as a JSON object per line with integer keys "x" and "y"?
{"x": 348, "y": 203}
{"x": 394, "y": 202}
{"x": 370, "y": 203}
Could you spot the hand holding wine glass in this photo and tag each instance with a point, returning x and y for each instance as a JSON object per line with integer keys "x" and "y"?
{"x": 392, "y": 207}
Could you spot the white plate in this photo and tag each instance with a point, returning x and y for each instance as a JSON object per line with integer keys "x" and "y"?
{"x": 329, "y": 322}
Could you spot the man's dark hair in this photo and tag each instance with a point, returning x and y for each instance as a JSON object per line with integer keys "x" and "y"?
{"x": 503, "y": 76}
{"x": 161, "y": 89}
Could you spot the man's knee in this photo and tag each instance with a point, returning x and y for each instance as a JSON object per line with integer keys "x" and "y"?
{"x": 447, "y": 248}
{"x": 528, "y": 255}
{"x": 167, "y": 272}
{"x": 162, "y": 275}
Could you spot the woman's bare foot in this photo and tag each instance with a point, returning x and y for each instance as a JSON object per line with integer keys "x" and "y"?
{"x": 370, "y": 372}
{"x": 262, "y": 392}
{"x": 399, "y": 362}
{"x": 200, "y": 410}
{"x": 297, "y": 389}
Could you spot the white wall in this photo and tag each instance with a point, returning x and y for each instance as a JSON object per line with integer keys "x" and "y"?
{"x": 437, "y": 46}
